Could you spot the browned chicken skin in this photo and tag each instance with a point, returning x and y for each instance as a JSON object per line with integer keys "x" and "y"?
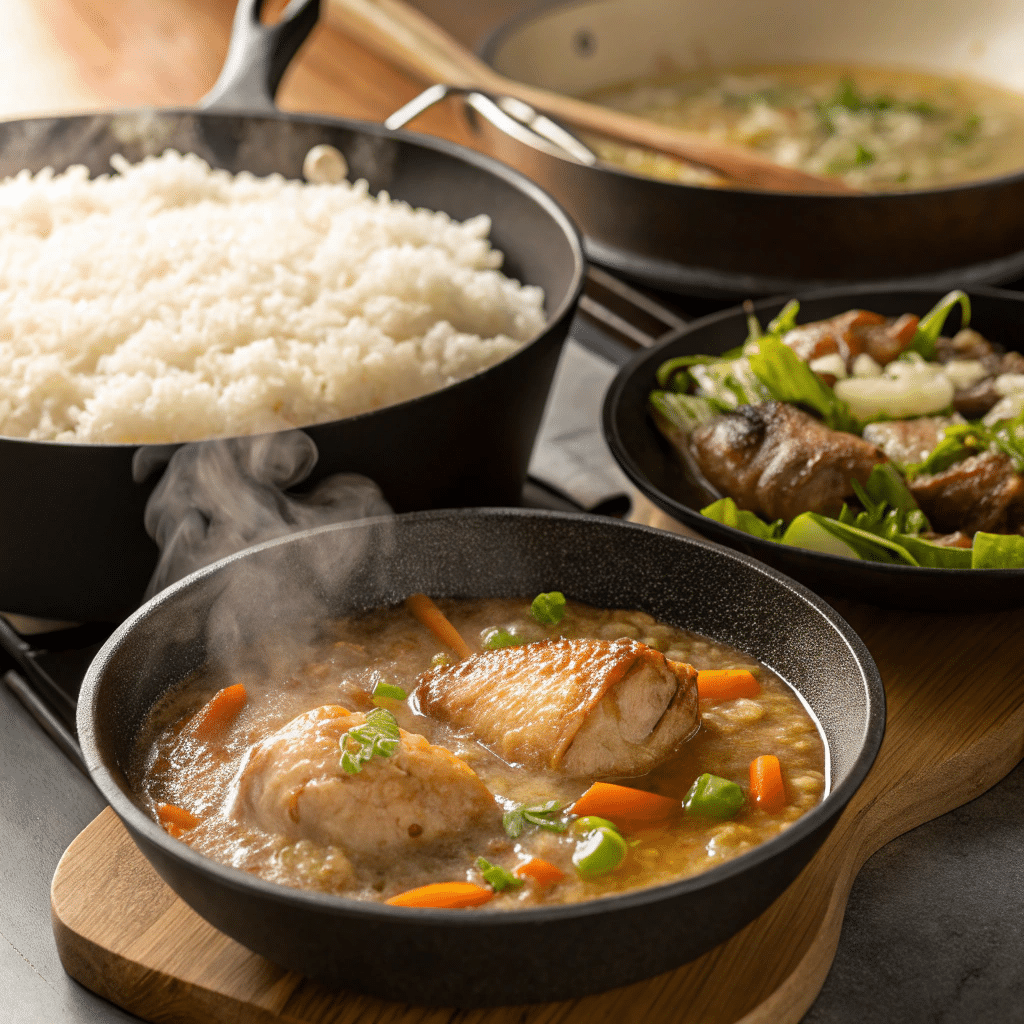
{"x": 982, "y": 492}
{"x": 293, "y": 784}
{"x": 776, "y": 461}
{"x": 577, "y": 707}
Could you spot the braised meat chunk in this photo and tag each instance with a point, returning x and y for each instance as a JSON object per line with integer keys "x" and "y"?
{"x": 777, "y": 461}
{"x": 294, "y": 784}
{"x": 577, "y": 707}
{"x": 909, "y": 441}
{"x": 851, "y": 333}
{"x": 982, "y": 492}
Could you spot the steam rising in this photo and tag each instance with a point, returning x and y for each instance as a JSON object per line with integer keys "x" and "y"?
{"x": 219, "y": 497}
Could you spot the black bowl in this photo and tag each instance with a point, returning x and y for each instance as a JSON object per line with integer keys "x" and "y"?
{"x": 481, "y": 957}
{"x": 648, "y": 459}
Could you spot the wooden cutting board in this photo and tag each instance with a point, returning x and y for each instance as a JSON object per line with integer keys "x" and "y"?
{"x": 955, "y": 727}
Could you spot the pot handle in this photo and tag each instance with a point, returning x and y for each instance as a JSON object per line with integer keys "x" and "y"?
{"x": 512, "y": 116}
{"x": 258, "y": 56}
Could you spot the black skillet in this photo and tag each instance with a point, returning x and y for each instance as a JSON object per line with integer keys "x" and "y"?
{"x": 737, "y": 243}
{"x": 283, "y": 589}
{"x": 647, "y": 458}
{"x": 72, "y": 542}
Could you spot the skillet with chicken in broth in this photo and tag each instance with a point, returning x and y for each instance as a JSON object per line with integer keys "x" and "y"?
{"x": 490, "y": 751}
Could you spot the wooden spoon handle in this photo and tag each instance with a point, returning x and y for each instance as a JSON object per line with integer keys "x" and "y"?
{"x": 409, "y": 39}
{"x": 404, "y": 35}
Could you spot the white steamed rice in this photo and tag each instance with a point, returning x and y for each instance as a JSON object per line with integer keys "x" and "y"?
{"x": 171, "y": 302}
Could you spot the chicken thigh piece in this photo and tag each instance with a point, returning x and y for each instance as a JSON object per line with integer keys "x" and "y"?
{"x": 293, "y": 784}
{"x": 576, "y": 707}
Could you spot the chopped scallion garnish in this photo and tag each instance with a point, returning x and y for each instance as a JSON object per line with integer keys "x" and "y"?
{"x": 388, "y": 690}
{"x": 378, "y": 736}
{"x": 539, "y": 815}
{"x": 497, "y": 877}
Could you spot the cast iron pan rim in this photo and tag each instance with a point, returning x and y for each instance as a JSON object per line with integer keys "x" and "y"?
{"x": 728, "y": 285}
{"x": 676, "y": 508}
{"x": 493, "y": 40}
{"x": 830, "y": 807}
{"x": 510, "y": 175}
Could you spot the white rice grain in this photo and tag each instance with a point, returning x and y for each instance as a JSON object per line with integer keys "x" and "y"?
{"x": 172, "y": 302}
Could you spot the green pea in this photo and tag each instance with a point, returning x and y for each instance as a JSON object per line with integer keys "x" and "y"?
{"x": 599, "y": 853}
{"x": 548, "y": 608}
{"x": 711, "y": 796}
{"x": 498, "y": 638}
{"x": 581, "y": 826}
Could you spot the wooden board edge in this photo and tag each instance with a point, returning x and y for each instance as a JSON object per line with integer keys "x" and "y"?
{"x": 982, "y": 765}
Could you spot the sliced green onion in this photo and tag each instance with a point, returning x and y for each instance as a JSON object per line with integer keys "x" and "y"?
{"x": 548, "y": 608}
{"x": 388, "y": 690}
{"x": 711, "y": 796}
{"x": 590, "y": 822}
{"x": 440, "y": 659}
{"x": 499, "y": 638}
{"x": 599, "y": 853}
{"x": 497, "y": 877}
{"x": 515, "y": 820}
{"x": 378, "y": 736}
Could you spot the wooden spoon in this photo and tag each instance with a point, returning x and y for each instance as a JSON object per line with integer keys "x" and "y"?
{"x": 423, "y": 49}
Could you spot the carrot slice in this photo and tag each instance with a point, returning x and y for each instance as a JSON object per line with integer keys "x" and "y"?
{"x": 445, "y": 895}
{"x": 726, "y": 684}
{"x": 625, "y": 806}
{"x": 543, "y": 872}
{"x": 766, "y": 786}
{"x": 171, "y": 814}
{"x": 435, "y": 620}
{"x": 219, "y": 712}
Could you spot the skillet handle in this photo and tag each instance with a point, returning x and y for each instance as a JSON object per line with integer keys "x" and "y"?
{"x": 259, "y": 55}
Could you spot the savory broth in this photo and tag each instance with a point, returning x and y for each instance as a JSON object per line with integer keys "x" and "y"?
{"x": 878, "y": 129}
{"x": 371, "y": 653}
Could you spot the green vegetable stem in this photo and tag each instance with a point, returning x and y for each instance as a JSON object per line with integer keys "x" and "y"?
{"x": 497, "y": 877}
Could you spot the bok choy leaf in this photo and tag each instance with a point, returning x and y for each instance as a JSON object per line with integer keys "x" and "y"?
{"x": 930, "y": 326}
{"x": 789, "y": 379}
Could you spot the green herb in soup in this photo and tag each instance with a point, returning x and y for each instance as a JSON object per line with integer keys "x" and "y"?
{"x": 604, "y": 751}
{"x": 878, "y": 129}
{"x": 863, "y": 436}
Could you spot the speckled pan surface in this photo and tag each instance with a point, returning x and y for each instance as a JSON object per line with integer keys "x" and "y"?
{"x": 483, "y": 957}
{"x": 647, "y": 458}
